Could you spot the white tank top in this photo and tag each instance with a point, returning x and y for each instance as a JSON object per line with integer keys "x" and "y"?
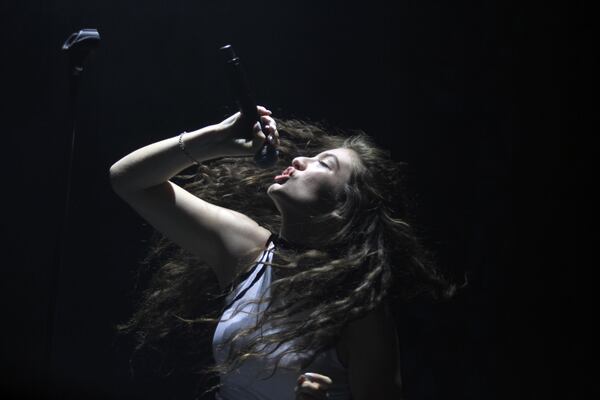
{"x": 251, "y": 380}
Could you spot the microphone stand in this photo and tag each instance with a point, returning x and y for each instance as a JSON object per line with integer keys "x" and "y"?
{"x": 78, "y": 46}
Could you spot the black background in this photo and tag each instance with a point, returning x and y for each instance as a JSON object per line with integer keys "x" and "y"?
{"x": 483, "y": 100}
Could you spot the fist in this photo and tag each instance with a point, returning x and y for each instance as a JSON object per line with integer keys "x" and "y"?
{"x": 233, "y": 130}
{"x": 311, "y": 386}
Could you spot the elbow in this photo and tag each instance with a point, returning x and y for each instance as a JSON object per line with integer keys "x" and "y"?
{"x": 116, "y": 178}
{"x": 126, "y": 184}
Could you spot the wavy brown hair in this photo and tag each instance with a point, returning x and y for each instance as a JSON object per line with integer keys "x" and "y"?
{"x": 375, "y": 257}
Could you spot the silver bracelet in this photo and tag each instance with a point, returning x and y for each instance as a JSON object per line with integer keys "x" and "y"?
{"x": 182, "y": 147}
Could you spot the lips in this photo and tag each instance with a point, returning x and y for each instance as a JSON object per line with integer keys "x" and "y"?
{"x": 281, "y": 178}
{"x": 285, "y": 175}
{"x": 288, "y": 171}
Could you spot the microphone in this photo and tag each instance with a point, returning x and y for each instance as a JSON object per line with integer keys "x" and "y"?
{"x": 79, "y": 45}
{"x": 267, "y": 155}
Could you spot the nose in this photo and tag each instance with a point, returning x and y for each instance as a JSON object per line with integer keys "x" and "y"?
{"x": 299, "y": 163}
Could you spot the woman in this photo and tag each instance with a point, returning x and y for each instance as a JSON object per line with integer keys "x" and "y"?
{"x": 309, "y": 275}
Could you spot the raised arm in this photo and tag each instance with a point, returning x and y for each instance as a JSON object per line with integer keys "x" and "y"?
{"x": 225, "y": 239}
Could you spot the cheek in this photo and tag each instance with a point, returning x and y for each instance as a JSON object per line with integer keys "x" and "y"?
{"x": 309, "y": 188}
{"x": 322, "y": 188}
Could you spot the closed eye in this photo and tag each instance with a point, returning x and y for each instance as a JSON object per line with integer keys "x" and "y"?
{"x": 322, "y": 163}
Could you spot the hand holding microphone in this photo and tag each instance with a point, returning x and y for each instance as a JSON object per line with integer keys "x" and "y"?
{"x": 233, "y": 134}
{"x": 265, "y": 154}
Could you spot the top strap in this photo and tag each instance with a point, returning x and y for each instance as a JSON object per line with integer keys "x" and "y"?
{"x": 246, "y": 275}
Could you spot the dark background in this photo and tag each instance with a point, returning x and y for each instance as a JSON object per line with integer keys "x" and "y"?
{"x": 483, "y": 100}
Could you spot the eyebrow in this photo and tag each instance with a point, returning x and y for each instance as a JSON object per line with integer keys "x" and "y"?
{"x": 334, "y": 157}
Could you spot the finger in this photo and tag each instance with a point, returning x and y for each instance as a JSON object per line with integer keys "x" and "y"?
{"x": 258, "y": 132}
{"x": 266, "y": 119}
{"x": 312, "y": 386}
{"x": 271, "y": 129}
{"x": 322, "y": 379}
{"x": 263, "y": 110}
{"x": 311, "y": 390}
{"x": 270, "y": 135}
{"x": 320, "y": 386}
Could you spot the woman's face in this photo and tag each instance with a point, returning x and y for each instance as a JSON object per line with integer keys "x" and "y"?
{"x": 311, "y": 185}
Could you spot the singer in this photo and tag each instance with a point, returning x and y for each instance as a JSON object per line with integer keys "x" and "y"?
{"x": 291, "y": 274}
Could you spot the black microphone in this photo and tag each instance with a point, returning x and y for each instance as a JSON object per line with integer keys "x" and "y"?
{"x": 267, "y": 155}
{"x": 79, "y": 45}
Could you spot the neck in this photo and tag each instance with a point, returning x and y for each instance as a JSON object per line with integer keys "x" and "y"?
{"x": 305, "y": 232}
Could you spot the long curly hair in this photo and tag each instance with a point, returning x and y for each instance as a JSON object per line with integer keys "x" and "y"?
{"x": 375, "y": 257}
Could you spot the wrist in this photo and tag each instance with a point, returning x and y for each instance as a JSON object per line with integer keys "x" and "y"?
{"x": 202, "y": 144}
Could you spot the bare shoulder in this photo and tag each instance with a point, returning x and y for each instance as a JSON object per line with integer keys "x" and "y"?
{"x": 246, "y": 244}
{"x": 241, "y": 248}
{"x": 225, "y": 239}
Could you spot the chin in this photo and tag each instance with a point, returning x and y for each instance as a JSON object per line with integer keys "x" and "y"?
{"x": 271, "y": 188}
{"x": 280, "y": 198}
{"x": 274, "y": 193}
{"x": 275, "y": 187}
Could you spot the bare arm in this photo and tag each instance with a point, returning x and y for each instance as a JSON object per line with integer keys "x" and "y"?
{"x": 158, "y": 162}
{"x": 223, "y": 238}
